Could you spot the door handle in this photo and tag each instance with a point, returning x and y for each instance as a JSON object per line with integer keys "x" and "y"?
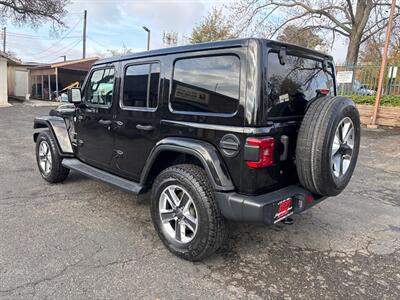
{"x": 105, "y": 123}
{"x": 144, "y": 127}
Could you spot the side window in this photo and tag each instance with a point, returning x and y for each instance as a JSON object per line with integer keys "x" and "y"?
{"x": 206, "y": 84}
{"x": 141, "y": 84}
{"x": 100, "y": 88}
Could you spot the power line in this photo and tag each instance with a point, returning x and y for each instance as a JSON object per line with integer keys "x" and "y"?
{"x": 100, "y": 44}
{"x": 66, "y": 51}
{"x": 56, "y": 51}
{"x": 61, "y": 39}
{"x": 28, "y": 36}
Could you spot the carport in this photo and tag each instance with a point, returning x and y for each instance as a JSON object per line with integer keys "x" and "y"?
{"x": 48, "y": 80}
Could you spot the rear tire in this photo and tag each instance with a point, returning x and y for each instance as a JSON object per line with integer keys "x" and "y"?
{"x": 327, "y": 145}
{"x": 48, "y": 158}
{"x": 197, "y": 207}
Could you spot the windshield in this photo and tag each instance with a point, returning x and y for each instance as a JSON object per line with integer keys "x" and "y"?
{"x": 291, "y": 86}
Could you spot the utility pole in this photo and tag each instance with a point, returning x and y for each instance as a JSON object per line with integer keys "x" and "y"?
{"x": 4, "y": 39}
{"x": 84, "y": 34}
{"x": 383, "y": 64}
{"x": 148, "y": 36}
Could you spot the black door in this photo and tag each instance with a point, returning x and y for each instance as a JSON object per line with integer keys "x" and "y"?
{"x": 137, "y": 121}
{"x": 95, "y": 137}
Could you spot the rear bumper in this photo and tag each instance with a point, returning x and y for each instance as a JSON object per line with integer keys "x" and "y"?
{"x": 264, "y": 208}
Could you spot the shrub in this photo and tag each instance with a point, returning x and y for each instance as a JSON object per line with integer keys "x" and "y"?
{"x": 370, "y": 100}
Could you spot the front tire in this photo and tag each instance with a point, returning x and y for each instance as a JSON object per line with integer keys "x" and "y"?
{"x": 185, "y": 213}
{"x": 48, "y": 159}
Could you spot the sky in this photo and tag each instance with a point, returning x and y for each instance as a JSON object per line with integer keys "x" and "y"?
{"x": 114, "y": 25}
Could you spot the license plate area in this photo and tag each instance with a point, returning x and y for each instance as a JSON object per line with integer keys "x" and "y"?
{"x": 284, "y": 209}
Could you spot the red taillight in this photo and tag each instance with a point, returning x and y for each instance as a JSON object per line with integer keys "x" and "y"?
{"x": 284, "y": 208}
{"x": 266, "y": 152}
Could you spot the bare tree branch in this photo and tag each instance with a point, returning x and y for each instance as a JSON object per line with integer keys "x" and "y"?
{"x": 33, "y": 12}
{"x": 356, "y": 20}
{"x": 287, "y": 22}
{"x": 335, "y": 29}
{"x": 351, "y": 11}
{"x": 311, "y": 10}
{"x": 379, "y": 28}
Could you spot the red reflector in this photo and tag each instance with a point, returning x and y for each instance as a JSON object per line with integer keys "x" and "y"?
{"x": 284, "y": 208}
{"x": 266, "y": 147}
{"x": 324, "y": 92}
{"x": 309, "y": 199}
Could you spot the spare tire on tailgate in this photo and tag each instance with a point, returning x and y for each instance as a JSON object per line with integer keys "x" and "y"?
{"x": 327, "y": 145}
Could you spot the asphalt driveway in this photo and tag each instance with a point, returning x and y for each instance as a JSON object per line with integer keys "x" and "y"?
{"x": 82, "y": 239}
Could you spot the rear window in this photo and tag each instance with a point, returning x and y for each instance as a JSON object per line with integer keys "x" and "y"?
{"x": 292, "y": 85}
{"x": 208, "y": 85}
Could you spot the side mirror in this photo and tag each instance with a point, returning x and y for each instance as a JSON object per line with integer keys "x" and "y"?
{"x": 74, "y": 95}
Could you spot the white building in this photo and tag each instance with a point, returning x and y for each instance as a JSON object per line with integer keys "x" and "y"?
{"x": 14, "y": 78}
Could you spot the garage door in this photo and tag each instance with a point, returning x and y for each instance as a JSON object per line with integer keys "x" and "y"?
{"x": 21, "y": 83}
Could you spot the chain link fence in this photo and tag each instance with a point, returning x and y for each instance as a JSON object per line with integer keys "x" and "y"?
{"x": 363, "y": 80}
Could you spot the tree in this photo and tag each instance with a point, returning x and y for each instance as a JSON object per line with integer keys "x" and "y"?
{"x": 356, "y": 20}
{"x": 394, "y": 54}
{"x": 170, "y": 39}
{"x": 115, "y": 52}
{"x": 306, "y": 37}
{"x": 371, "y": 52}
{"x": 214, "y": 27}
{"x": 33, "y": 12}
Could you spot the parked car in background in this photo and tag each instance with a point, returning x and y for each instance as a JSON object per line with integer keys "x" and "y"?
{"x": 357, "y": 88}
{"x": 362, "y": 89}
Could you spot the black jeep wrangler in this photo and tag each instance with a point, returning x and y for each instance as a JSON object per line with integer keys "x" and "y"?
{"x": 247, "y": 130}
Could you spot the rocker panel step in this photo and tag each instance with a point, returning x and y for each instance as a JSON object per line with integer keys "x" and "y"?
{"x": 95, "y": 173}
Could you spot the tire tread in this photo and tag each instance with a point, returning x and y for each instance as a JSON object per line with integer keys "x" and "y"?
{"x": 217, "y": 229}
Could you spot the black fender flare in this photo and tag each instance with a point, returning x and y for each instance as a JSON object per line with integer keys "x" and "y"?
{"x": 204, "y": 151}
{"x": 59, "y": 130}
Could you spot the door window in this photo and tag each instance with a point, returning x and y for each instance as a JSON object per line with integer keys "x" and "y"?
{"x": 141, "y": 83}
{"x": 100, "y": 87}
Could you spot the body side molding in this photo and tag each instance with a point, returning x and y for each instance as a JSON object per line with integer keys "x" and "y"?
{"x": 205, "y": 152}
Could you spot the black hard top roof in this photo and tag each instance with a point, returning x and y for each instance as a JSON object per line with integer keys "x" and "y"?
{"x": 203, "y": 46}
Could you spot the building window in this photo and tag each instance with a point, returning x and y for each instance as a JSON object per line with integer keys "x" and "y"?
{"x": 206, "y": 85}
{"x": 141, "y": 85}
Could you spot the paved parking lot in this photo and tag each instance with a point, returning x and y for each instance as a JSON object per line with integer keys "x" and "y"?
{"x": 83, "y": 239}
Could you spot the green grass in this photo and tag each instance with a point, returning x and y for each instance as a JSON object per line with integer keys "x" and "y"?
{"x": 370, "y": 100}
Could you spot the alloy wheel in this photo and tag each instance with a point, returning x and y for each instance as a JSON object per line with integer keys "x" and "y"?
{"x": 45, "y": 160}
{"x": 178, "y": 214}
{"x": 342, "y": 147}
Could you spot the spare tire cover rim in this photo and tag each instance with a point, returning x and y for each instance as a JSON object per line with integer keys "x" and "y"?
{"x": 342, "y": 147}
